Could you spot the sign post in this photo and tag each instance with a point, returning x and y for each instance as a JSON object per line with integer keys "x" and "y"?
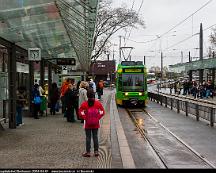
{"x": 66, "y": 61}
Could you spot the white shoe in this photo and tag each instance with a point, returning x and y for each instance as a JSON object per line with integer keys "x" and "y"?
{"x": 21, "y": 124}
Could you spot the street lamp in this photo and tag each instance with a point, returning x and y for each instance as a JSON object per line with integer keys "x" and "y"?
{"x": 93, "y": 69}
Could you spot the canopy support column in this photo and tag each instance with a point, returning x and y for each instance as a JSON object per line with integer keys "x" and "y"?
{"x": 42, "y": 70}
{"x": 12, "y": 86}
{"x": 30, "y": 86}
{"x": 49, "y": 78}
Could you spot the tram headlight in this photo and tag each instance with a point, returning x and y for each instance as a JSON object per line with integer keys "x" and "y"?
{"x": 126, "y": 94}
{"x": 140, "y": 94}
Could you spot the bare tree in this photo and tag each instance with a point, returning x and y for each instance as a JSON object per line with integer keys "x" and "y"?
{"x": 109, "y": 21}
{"x": 213, "y": 37}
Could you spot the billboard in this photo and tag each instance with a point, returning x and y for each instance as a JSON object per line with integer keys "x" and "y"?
{"x": 102, "y": 67}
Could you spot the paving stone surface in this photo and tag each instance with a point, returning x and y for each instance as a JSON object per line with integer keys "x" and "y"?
{"x": 51, "y": 142}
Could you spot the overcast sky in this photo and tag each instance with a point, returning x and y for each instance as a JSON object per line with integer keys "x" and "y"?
{"x": 160, "y": 16}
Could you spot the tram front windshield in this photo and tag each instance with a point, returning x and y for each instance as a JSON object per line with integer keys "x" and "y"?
{"x": 133, "y": 82}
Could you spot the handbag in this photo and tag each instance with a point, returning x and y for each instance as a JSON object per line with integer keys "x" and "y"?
{"x": 57, "y": 106}
{"x": 37, "y": 100}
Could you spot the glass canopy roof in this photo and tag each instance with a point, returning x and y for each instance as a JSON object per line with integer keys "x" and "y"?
{"x": 61, "y": 28}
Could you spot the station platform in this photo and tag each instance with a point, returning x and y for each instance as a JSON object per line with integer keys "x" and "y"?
{"x": 53, "y": 143}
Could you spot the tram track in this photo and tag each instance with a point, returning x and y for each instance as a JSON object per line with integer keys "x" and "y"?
{"x": 143, "y": 134}
{"x": 164, "y": 162}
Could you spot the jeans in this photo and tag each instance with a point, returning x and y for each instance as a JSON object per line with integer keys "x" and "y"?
{"x": 207, "y": 93}
{"x": 18, "y": 115}
{"x": 53, "y": 108}
{"x": 89, "y": 133}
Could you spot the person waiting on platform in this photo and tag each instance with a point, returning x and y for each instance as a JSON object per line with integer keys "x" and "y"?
{"x": 64, "y": 88}
{"x": 83, "y": 94}
{"x": 100, "y": 87}
{"x": 77, "y": 99}
{"x": 54, "y": 97}
{"x": 36, "y": 101}
{"x": 92, "y": 84}
{"x": 91, "y": 111}
{"x": 70, "y": 101}
{"x": 19, "y": 106}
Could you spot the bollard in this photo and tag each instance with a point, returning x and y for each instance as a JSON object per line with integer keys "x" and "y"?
{"x": 161, "y": 100}
{"x": 197, "y": 112}
{"x": 171, "y": 105}
{"x": 165, "y": 101}
{"x": 186, "y": 108}
{"x": 212, "y": 118}
{"x": 178, "y": 109}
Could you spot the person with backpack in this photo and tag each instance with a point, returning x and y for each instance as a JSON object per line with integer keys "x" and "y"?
{"x": 91, "y": 111}
{"x": 36, "y": 101}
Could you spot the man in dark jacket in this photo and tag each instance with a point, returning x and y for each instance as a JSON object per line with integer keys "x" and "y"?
{"x": 70, "y": 97}
{"x": 54, "y": 97}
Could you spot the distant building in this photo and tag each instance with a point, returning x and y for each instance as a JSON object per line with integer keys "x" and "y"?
{"x": 104, "y": 70}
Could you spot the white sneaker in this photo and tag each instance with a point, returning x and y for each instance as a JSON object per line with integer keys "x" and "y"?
{"x": 21, "y": 124}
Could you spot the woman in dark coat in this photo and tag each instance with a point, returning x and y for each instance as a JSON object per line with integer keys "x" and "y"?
{"x": 54, "y": 97}
{"x": 70, "y": 102}
{"x": 77, "y": 100}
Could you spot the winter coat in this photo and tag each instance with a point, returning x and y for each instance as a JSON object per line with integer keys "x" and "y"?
{"x": 70, "y": 98}
{"x": 83, "y": 109}
{"x": 54, "y": 95}
{"x": 64, "y": 88}
{"x": 82, "y": 96}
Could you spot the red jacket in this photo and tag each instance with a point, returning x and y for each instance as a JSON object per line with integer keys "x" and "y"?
{"x": 64, "y": 88}
{"x": 84, "y": 107}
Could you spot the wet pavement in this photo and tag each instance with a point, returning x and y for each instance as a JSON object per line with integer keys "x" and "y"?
{"x": 51, "y": 142}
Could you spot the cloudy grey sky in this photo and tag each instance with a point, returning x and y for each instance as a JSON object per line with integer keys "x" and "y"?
{"x": 160, "y": 16}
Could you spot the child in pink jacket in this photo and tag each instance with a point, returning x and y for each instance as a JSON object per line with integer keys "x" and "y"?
{"x": 91, "y": 111}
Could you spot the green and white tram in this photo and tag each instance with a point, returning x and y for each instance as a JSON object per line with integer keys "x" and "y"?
{"x": 131, "y": 83}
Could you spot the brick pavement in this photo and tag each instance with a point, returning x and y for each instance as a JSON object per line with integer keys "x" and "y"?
{"x": 51, "y": 142}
